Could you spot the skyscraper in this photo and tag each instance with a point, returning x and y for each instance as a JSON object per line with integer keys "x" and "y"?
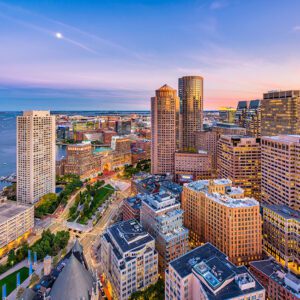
{"x": 241, "y": 112}
{"x": 35, "y": 155}
{"x": 280, "y": 168}
{"x": 165, "y": 130}
{"x": 253, "y": 119}
{"x": 190, "y": 90}
{"x": 239, "y": 159}
{"x": 280, "y": 113}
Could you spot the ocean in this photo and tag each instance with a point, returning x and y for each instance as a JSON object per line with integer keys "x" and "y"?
{"x": 8, "y": 137}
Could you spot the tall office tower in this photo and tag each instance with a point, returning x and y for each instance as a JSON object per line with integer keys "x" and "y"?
{"x": 218, "y": 213}
{"x": 239, "y": 159}
{"x": 280, "y": 113}
{"x": 205, "y": 273}
{"x": 35, "y": 155}
{"x": 165, "y": 130}
{"x": 162, "y": 217}
{"x": 280, "y": 168}
{"x": 241, "y": 112}
{"x": 281, "y": 231}
{"x": 253, "y": 119}
{"x": 190, "y": 90}
{"x": 128, "y": 258}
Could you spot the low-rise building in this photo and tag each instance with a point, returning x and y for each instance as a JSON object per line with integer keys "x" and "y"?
{"x": 217, "y": 212}
{"x": 16, "y": 223}
{"x": 128, "y": 258}
{"x": 278, "y": 283}
{"x": 281, "y": 232}
{"x": 150, "y": 184}
{"x": 205, "y": 273}
{"x": 162, "y": 217}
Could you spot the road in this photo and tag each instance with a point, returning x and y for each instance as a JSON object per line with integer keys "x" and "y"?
{"x": 91, "y": 240}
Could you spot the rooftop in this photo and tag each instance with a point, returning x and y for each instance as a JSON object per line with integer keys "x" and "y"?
{"x": 284, "y": 138}
{"x": 10, "y": 209}
{"x": 284, "y": 211}
{"x": 231, "y": 196}
{"x": 160, "y": 201}
{"x": 219, "y": 278}
{"x": 274, "y": 270}
{"x": 129, "y": 235}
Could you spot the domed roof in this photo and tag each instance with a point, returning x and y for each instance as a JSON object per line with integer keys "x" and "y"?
{"x": 166, "y": 87}
{"x": 74, "y": 282}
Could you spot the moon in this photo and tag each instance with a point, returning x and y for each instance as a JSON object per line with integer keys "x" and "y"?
{"x": 58, "y": 35}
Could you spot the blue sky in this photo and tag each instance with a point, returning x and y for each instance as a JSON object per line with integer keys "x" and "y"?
{"x": 114, "y": 54}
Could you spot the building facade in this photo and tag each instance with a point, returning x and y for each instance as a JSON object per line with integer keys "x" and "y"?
{"x": 205, "y": 273}
{"x": 281, "y": 232}
{"x": 218, "y": 213}
{"x": 241, "y": 112}
{"x": 281, "y": 170}
{"x": 165, "y": 130}
{"x": 193, "y": 166}
{"x": 190, "y": 91}
{"x": 253, "y": 119}
{"x": 280, "y": 113}
{"x": 239, "y": 159}
{"x": 16, "y": 223}
{"x": 128, "y": 258}
{"x": 162, "y": 217}
{"x": 81, "y": 161}
{"x": 35, "y": 155}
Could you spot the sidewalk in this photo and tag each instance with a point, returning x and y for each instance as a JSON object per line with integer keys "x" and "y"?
{"x": 37, "y": 270}
{"x": 18, "y": 266}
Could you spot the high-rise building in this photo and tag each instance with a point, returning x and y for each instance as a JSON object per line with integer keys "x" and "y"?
{"x": 218, "y": 213}
{"x": 253, "y": 119}
{"x": 165, "y": 130}
{"x": 205, "y": 273}
{"x": 280, "y": 168}
{"x": 190, "y": 90}
{"x": 35, "y": 155}
{"x": 162, "y": 217}
{"x": 239, "y": 159}
{"x": 281, "y": 231}
{"x": 128, "y": 258}
{"x": 280, "y": 113}
{"x": 207, "y": 140}
{"x": 241, "y": 112}
{"x": 121, "y": 144}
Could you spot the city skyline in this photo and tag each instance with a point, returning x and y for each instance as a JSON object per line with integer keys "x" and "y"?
{"x": 108, "y": 55}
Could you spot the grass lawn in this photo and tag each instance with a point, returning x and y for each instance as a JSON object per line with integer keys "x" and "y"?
{"x": 101, "y": 195}
{"x": 11, "y": 280}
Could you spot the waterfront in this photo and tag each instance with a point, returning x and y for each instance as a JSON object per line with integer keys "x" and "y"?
{"x": 8, "y": 139}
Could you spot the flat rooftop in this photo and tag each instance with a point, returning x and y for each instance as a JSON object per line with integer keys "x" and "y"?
{"x": 231, "y": 196}
{"x": 212, "y": 265}
{"x": 289, "y": 138}
{"x": 129, "y": 235}
{"x": 10, "y": 209}
{"x": 284, "y": 211}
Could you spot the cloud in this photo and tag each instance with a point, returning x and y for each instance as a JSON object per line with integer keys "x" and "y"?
{"x": 217, "y": 5}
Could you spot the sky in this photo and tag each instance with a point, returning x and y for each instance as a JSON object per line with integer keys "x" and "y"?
{"x": 109, "y": 54}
